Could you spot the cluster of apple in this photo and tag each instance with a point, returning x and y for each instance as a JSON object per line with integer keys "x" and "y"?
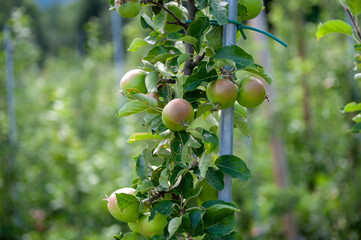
{"x": 132, "y": 214}
{"x": 139, "y": 222}
{"x": 178, "y": 114}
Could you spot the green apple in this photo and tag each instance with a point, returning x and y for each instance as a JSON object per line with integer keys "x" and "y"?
{"x": 178, "y": 114}
{"x": 252, "y": 92}
{"x": 154, "y": 227}
{"x": 129, "y": 214}
{"x": 249, "y": 9}
{"x": 134, "y": 79}
{"x": 222, "y": 92}
{"x": 127, "y": 8}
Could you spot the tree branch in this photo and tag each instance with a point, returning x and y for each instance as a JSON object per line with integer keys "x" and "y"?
{"x": 353, "y": 21}
{"x": 178, "y": 21}
{"x": 192, "y": 10}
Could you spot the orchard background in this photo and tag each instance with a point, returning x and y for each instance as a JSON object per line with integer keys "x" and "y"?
{"x": 71, "y": 149}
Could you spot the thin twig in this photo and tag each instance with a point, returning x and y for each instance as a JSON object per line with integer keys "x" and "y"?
{"x": 353, "y": 21}
{"x": 198, "y": 60}
{"x": 166, "y": 80}
{"x": 153, "y": 198}
{"x": 231, "y": 79}
{"x": 178, "y": 21}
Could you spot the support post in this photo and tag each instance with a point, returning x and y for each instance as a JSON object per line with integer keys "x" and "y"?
{"x": 10, "y": 164}
{"x": 226, "y": 135}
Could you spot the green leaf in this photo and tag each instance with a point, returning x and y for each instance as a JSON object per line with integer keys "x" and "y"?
{"x": 193, "y": 143}
{"x": 352, "y": 107}
{"x": 242, "y": 124}
{"x": 144, "y": 98}
{"x": 141, "y": 166}
{"x": 111, "y": 2}
{"x": 195, "y": 95}
{"x": 163, "y": 70}
{"x": 182, "y": 58}
{"x": 135, "y": 137}
{"x": 232, "y": 236}
{"x": 215, "y": 178}
{"x": 355, "y": 6}
{"x": 137, "y": 43}
{"x": 151, "y": 82}
{"x": 118, "y": 237}
{"x": 159, "y": 19}
{"x": 219, "y": 9}
{"x": 203, "y": 109}
{"x": 236, "y": 54}
{"x": 333, "y": 26}
{"x": 233, "y": 166}
{"x": 197, "y": 29}
{"x": 356, "y": 128}
{"x": 181, "y": 37}
{"x": 163, "y": 179}
{"x": 192, "y": 193}
{"x": 133, "y": 236}
{"x": 166, "y": 93}
{"x": 221, "y": 227}
{"x": 124, "y": 200}
{"x": 211, "y": 141}
{"x": 198, "y": 151}
{"x": 146, "y": 22}
{"x": 154, "y": 52}
{"x": 145, "y": 186}
{"x": 241, "y": 110}
{"x": 163, "y": 207}
{"x": 174, "y": 225}
{"x": 201, "y": 4}
{"x": 357, "y": 118}
{"x": 196, "y": 79}
{"x": 131, "y": 108}
{"x": 163, "y": 57}
{"x": 193, "y": 222}
{"x": 148, "y": 66}
{"x": 204, "y": 163}
{"x": 177, "y": 145}
{"x": 186, "y": 184}
{"x": 260, "y": 71}
{"x": 217, "y": 205}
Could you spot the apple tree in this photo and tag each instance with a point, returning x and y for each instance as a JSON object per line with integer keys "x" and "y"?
{"x": 185, "y": 79}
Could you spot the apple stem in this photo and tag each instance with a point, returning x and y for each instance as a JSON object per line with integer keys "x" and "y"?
{"x": 106, "y": 198}
{"x": 231, "y": 79}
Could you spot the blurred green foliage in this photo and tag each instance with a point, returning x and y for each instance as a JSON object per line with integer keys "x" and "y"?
{"x": 72, "y": 150}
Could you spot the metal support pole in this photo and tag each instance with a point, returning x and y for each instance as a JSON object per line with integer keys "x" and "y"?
{"x": 10, "y": 172}
{"x": 119, "y": 71}
{"x": 118, "y": 45}
{"x": 226, "y": 135}
{"x": 10, "y": 87}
